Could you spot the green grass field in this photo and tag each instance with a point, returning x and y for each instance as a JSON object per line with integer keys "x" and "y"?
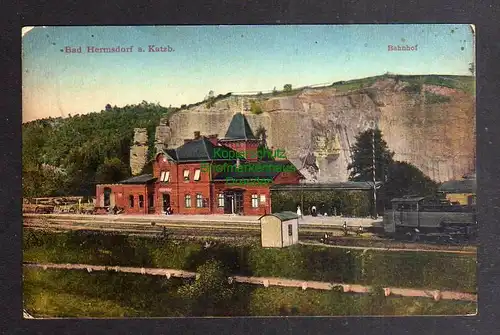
{"x": 55, "y": 293}
{"x": 395, "y": 269}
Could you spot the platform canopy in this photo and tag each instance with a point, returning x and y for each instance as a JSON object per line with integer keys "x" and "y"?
{"x": 348, "y": 186}
{"x": 142, "y": 179}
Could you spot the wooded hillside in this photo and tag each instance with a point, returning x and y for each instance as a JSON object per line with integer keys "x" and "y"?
{"x": 69, "y": 156}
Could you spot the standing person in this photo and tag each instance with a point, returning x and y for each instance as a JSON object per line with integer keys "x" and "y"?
{"x": 313, "y": 211}
{"x": 299, "y": 212}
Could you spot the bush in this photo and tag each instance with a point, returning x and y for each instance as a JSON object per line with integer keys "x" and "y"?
{"x": 208, "y": 292}
{"x": 255, "y": 108}
{"x": 432, "y": 98}
{"x": 414, "y": 88}
{"x": 347, "y": 203}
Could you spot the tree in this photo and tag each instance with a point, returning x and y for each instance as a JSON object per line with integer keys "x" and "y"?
{"x": 472, "y": 69}
{"x": 406, "y": 179}
{"x": 80, "y": 146}
{"x": 210, "y": 98}
{"x": 287, "y": 87}
{"x": 112, "y": 171}
{"x": 108, "y": 107}
{"x": 255, "y": 108}
{"x": 209, "y": 291}
{"x": 362, "y": 157}
{"x": 261, "y": 133}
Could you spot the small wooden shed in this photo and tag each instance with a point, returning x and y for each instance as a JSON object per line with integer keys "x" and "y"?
{"x": 279, "y": 230}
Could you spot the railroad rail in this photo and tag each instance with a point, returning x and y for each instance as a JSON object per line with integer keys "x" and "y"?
{"x": 223, "y": 230}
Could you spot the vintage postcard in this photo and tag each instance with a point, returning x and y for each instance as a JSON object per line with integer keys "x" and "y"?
{"x": 288, "y": 170}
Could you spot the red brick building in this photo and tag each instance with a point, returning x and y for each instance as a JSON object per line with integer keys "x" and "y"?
{"x": 206, "y": 175}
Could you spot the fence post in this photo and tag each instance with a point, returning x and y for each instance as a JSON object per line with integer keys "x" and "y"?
{"x": 436, "y": 295}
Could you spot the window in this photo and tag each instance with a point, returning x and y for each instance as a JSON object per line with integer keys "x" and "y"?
{"x": 186, "y": 175}
{"x": 290, "y": 230}
{"x": 131, "y": 201}
{"x": 197, "y": 173}
{"x": 255, "y": 201}
{"x": 165, "y": 176}
{"x": 199, "y": 201}
{"x": 262, "y": 198}
{"x": 221, "y": 200}
{"x": 141, "y": 201}
{"x": 187, "y": 201}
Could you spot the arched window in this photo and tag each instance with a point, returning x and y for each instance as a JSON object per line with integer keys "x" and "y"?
{"x": 131, "y": 201}
{"x": 141, "y": 201}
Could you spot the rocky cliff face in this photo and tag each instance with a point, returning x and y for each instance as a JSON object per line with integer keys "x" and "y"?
{"x": 317, "y": 127}
{"x": 139, "y": 150}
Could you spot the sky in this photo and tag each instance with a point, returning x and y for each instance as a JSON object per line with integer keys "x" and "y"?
{"x": 221, "y": 59}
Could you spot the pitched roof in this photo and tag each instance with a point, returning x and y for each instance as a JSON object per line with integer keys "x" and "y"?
{"x": 142, "y": 179}
{"x": 408, "y": 199}
{"x": 269, "y": 170}
{"x": 239, "y": 129}
{"x": 171, "y": 153}
{"x": 283, "y": 216}
{"x": 200, "y": 150}
{"x": 459, "y": 186}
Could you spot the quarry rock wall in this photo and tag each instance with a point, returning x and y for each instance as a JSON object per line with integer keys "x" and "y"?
{"x": 317, "y": 127}
{"x": 139, "y": 150}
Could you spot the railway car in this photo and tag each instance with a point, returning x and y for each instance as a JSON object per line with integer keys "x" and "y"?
{"x": 416, "y": 216}
{"x": 38, "y": 209}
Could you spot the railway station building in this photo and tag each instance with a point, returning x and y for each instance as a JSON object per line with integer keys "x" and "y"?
{"x": 206, "y": 175}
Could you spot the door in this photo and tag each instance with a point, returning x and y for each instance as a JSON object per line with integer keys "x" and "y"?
{"x": 151, "y": 204}
{"x": 238, "y": 202}
{"x": 107, "y": 197}
{"x": 165, "y": 201}
{"x": 398, "y": 214}
{"x": 233, "y": 202}
{"x": 228, "y": 202}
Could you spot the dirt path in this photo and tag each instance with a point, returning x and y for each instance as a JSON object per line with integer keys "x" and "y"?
{"x": 267, "y": 281}
{"x": 463, "y": 252}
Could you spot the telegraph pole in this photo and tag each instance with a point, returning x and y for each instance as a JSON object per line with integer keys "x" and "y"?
{"x": 373, "y": 170}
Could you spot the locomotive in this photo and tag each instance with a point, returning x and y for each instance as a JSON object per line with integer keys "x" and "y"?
{"x": 416, "y": 216}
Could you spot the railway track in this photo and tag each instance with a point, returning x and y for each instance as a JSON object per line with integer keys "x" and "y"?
{"x": 224, "y": 230}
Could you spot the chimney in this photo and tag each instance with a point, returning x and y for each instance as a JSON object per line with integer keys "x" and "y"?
{"x": 196, "y": 135}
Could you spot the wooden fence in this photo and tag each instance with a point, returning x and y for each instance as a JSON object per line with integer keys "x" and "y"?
{"x": 267, "y": 281}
